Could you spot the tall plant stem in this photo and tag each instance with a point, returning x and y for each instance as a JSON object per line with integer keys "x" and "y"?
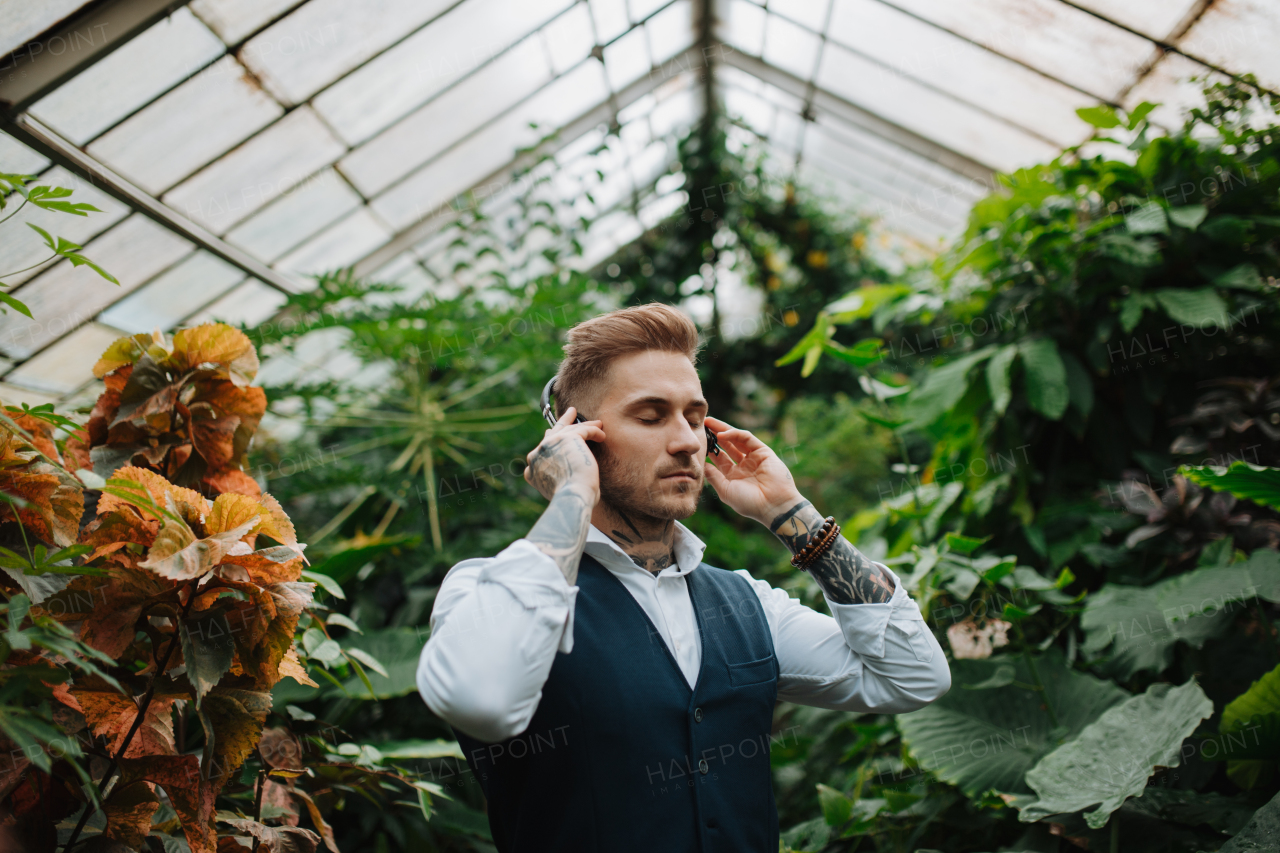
{"x": 433, "y": 508}
{"x": 257, "y": 803}
{"x": 161, "y": 666}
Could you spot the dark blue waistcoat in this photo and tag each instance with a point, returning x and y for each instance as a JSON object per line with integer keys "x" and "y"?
{"x": 621, "y": 755}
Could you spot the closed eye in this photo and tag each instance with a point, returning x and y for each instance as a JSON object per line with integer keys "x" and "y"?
{"x": 646, "y": 421}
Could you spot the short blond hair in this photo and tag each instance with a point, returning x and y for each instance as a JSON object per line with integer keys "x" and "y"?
{"x": 592, "y": 345}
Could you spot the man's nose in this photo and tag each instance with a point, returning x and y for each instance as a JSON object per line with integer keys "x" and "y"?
{"x": 687, "y": 441}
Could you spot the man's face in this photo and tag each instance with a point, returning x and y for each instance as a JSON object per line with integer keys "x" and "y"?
{"x": 652, "y": 413}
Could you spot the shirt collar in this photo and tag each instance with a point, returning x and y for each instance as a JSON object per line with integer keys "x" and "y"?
{"x": 688, "y": 547}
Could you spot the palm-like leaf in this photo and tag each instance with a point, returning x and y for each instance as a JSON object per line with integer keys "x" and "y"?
{"x": 421, "y": 423}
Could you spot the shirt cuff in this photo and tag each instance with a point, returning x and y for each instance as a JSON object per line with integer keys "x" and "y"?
{"x": 535, "y": 580}
{"x": 864, "y": 625}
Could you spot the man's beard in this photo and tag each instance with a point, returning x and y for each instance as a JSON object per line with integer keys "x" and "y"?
{"x": 635, "y": 491}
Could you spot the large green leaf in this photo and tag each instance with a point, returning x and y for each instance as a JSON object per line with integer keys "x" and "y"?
{"x": 1193, "y": 307}
{"x": 1251, "y": 482}
{"x": 988, "y": 739}
{"x": 398, "y": 650}
{"x": 1139, "y": 625}
{"x": 1045, "y": 377}
{"x": 998, "y": 370}
{"x": 1249, "y": 733}
{"x": 1114, "y": 756}
{"x": 943, "y": 388}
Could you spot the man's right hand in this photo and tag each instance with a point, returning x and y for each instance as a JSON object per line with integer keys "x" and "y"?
{"x": 563, "y": 460}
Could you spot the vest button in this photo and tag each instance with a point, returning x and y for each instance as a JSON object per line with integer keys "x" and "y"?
{"x": 703, "y": 767}
{"x": 697, "y": 715}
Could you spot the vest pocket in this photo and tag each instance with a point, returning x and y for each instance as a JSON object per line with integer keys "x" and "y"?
{"x": 751, "y": 672}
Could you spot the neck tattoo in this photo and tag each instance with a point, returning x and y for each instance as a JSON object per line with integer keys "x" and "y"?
{"x": 650, "y": 546}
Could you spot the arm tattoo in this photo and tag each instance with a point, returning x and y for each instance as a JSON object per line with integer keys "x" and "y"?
{"x": 561, "y": 532}
{"x": 844, "y": 573}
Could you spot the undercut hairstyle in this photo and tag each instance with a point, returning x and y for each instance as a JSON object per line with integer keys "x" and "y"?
{"x": 592, "y": 346}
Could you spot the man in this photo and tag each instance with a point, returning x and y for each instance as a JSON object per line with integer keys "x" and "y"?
{"x": 612, "y": 692}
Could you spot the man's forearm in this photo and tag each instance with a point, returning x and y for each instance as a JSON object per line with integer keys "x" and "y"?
{"x": 561, "y": 532}
{"x": 845, "y": 574}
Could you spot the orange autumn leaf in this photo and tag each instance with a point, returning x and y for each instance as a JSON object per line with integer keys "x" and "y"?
{"x": 291, "y": 667}
{"x": 278, "y": 526}
{"x": 179, "y": 776}
{"x": 178, "y": 555}
{"x": 232, "y": 480}
{"x": 233, "y": 510}
{"x": 188, "y": 502}
{"x": 111, "y": 715}
{"x": 267, "y": 566}
{"x": 54, "y": 499}
{"x": 216, "y": 344}
{"x": 129, "y": 810}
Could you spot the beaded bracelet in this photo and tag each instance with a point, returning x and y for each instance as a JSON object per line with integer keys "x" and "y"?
{"x": 803, "y": 557}
{"x": 823, "y": 546}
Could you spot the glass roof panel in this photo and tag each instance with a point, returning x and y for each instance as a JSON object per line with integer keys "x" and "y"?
{"x": 894, "y": 183}
{"x": 790, "y": 47}
{"x": 971, "y": 73}
{"x": 931, "y": 114}
{"x": 324, "y": 39}
{"x": 268, "y": 165}
{"x": 742, "y": 25}
{"x": 758, "y": 114}
{"x": 678, "y": 109}
{"x": 811, "y": 13}
{"x": 569, "y": 38}
{"x": 671, "y": 31}
{"x": 610, "y": 17}
{"x": 316, "y": 203}
{"x": 1153, "y": 18}
{"x": 68, "y": 364}
{"x": 642, "y": 9}
{"x": 490, "y": 91}
{"x": 627, "y": 59}
{"x": 22, "y": 247}
{"x": 188, "y": 127}
{"x": 469, "y": 163}
{"x": 174, "y": 295}
{"x": 1063, "y": 42}
{"x": 12, "y": 395}
{"x": 250, "y": 304}
{"x": 18, "y": 159}
{"x": 66, "y": 296}
{"x": 1168, "y": 84}
{"x": 23, "y": 20}
{"x": 232, "y": 20}
{"x": 129, "y": 77}
{"x": 1239, "y": 36}
{"x": 339, "y": 245}
{"x": 402, "y": 78}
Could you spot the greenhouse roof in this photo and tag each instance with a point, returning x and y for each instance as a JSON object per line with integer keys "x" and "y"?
{"x": 236, "y": 146}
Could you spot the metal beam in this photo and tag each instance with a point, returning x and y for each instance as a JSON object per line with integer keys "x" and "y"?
{"x": 35, "y": 135}
{"x": 861, "y": 118}
{"x": 604, "y": 112}
{"x": 32, "y": 71}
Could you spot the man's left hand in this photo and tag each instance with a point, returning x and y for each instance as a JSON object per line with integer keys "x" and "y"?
{"x": 748, "y": 476}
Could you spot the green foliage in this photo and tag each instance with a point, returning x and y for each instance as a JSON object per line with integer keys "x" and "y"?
{"x": 1113, "y": 758}
{"x": 1072, "y": 388}
{"x": 45, "y": 198}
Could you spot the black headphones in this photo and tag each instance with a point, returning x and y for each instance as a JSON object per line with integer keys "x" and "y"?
{"x": 713, "y": 446}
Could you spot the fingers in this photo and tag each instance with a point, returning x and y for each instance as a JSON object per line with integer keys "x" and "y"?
{"x": 740, "y": 442}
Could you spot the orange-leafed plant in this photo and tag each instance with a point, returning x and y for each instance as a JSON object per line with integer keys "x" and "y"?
{"x": 180, "y": 596}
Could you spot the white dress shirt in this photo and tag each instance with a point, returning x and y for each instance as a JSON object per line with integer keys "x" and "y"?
{"x": 498, "y": 623}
